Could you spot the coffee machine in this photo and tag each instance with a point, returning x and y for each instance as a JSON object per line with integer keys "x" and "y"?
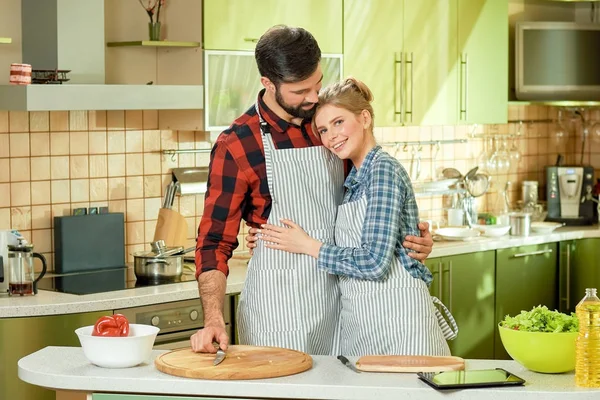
{"x": 569, "y": 194}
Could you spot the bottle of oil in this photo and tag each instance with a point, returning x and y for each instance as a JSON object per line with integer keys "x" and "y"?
{"x": 587, "y": 358}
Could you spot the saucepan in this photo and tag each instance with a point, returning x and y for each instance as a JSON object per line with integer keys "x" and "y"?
{"x": 160, "y": 264}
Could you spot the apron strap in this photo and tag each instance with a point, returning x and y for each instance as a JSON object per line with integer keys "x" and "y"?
{"x": 449, "y": 333}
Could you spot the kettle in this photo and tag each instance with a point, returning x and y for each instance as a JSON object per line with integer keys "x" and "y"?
{"x": 21, "y": 274}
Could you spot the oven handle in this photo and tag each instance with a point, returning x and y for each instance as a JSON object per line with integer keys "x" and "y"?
{"x": 182, "y": 335}
{"x": 174, "y": 337}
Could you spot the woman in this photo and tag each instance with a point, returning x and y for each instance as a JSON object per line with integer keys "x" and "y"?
{"x": 386, "y": 306}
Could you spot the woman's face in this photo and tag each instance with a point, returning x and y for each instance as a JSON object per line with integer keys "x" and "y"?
{"x": 342, "y": 132}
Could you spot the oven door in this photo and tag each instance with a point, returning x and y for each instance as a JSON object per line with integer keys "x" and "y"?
{"x": 176, "y": 340}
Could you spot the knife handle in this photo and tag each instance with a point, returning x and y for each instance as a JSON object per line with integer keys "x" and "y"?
{"x": 343, "y": 359}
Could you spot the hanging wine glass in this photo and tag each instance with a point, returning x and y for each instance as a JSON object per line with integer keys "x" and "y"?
{"x": 514, "y": 155}
{"x": 561, "y": 131}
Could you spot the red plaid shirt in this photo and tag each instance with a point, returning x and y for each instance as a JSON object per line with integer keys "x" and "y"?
{"x": 237, "y": 183}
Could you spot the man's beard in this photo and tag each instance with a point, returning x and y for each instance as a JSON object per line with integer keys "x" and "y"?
{"x": 296, "y": 112}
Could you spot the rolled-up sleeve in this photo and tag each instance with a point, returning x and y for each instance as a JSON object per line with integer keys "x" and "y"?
{"x": 381, "y": 229}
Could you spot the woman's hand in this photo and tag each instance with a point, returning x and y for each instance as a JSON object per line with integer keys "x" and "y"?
{"x": 290, "y": 238}
{"x": 422, "y": 245}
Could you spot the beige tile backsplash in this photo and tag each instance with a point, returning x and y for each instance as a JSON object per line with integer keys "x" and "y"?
{"x": 53, "y": 162}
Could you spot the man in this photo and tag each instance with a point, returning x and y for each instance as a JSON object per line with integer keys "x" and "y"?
{"x": 266, "y": 166}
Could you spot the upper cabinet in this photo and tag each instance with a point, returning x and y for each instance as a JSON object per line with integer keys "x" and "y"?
{"x": 237, "y": 24}
{"x": 373, "y": 53}
{"x": 430, "y": 62}
{"x": 483, "y": 40}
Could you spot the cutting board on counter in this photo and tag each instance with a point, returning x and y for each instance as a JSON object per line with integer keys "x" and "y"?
{"x": 410, "y": 363}
{"x": 241, "y": 362}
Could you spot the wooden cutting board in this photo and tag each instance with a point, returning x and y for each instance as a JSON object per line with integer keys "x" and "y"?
{"x": 410, "y": 363}
{"x": 241, "y": 362}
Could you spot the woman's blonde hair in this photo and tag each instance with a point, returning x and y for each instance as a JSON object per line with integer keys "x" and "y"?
{"x": 350, "y": 94}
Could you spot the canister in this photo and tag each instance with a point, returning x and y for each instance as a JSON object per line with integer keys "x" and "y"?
{"x": 20, "y": 74}
{"x": 529, "y": 192}
{"x": 520, "y": 224}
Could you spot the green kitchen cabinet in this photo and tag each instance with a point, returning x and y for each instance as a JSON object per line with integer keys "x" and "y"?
{"x": 408, "y": 58}
{"x": 483, "y": 72}
{"x": 431, "y": 64}
{"x": 373, "y": 47}
{"x": 526, "y": 277}
{"x": 465, "y": 284}
{"x": 23, "y": 336}
{"x": 578, "y": 269}
{"x": 237, "y": 24}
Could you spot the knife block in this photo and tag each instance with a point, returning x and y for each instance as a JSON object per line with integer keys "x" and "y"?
{"x": 171, "y": 227}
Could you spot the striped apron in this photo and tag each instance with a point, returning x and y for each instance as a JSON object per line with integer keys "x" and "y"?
{"x": 286, "y": 301}
{"x": 393, "y": 316}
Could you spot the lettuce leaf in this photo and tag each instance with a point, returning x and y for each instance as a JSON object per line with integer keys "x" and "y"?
{"x": 540, "y": 319}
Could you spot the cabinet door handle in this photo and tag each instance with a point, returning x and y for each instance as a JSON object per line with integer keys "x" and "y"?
{"x": 251, "y": 40}
{"x": 568, "y": 277}
{"x": 440, "y": 286}
{"x": 450, "y": 286}
{"x": 533, "y": 253}
{"x": 398, "y": 88}
{"x": 412, "y": 85}
{"x": 464, "y": 86}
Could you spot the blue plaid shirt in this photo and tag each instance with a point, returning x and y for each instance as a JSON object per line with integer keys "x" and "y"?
{"x": 392, "y": 214}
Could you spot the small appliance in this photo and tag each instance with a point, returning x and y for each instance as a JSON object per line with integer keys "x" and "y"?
{"x": 7, "y": 237}
{"x": 568, "y": 190}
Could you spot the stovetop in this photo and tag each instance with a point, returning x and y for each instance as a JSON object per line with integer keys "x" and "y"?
{"x": 100, "y": 281}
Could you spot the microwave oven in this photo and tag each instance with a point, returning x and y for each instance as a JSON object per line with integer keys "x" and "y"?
{"x": 557, "y": 61}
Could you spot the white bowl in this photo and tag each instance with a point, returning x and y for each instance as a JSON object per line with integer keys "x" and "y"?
{"x": 493, "y": 230}
{"x": 545, "y": 227}
{"x": 118, "y": 352}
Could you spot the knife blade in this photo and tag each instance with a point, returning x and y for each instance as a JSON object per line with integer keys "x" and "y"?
{"x": 219, "y": 358}
{"x": 347, "y": 363}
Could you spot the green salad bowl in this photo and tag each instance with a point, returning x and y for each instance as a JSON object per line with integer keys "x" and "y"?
{"x": 545, "y": 352}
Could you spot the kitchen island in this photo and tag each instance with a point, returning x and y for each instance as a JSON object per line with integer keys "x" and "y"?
{"x": 65, "y": 369}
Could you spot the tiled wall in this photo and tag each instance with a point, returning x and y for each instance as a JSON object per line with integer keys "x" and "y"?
{"x": 53, "y": 162}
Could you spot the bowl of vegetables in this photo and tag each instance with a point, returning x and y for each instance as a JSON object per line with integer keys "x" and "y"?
{"x": 112, "y": 342}
{"x": 541, "y": 340}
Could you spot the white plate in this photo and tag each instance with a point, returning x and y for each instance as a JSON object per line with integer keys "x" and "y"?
{"x": 545, "y": 227}
{"x": 456, "y": 233}
{"x": 492, "y": 230}
{"x": 434, "y": 185}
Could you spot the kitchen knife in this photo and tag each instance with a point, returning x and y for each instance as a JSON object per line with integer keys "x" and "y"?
{"x": 219, "y": 358}
{"x": 347, "y": 363}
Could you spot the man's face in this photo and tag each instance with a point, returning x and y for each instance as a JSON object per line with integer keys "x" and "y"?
{"x": 300, "y": 98}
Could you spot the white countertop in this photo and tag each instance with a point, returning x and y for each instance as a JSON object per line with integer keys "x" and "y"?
{"x": 482, "y": 243}
{"x": 66, "y": 368}
{"x": 53, "y": 303}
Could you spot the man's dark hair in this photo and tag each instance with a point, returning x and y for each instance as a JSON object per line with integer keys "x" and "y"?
{"x": 287, "y": 54}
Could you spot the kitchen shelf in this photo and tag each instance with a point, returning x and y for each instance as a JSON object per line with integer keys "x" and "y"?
{"x": 5, "y": 40}
{"x": 100, "y": 97}
{"x": 153, "y": 43}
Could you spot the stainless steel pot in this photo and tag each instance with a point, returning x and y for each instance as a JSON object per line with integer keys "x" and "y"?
{"x": 147, "y": 266}
{"x": 520, "y": 224}
{"x": 160, "y": 264}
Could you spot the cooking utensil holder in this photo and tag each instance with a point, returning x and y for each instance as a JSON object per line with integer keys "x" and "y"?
{"x": 171, "y": 227}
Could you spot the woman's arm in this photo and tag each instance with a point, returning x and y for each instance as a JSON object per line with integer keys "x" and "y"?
{"x": 372, "y": 260}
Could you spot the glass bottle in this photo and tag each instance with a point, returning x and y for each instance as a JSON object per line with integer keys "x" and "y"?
{"x": 587, "y": 346}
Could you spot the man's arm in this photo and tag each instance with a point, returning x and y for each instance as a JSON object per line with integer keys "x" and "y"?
{"x": 422, "y": 245}
{"x": 211, "y": 286}
{"x": 217, "y": 238}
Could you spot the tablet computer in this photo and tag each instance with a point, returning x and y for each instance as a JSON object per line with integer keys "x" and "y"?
{"x": 470, "y": 379}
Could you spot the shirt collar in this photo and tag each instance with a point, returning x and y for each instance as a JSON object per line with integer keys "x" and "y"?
{"x": 278, "y": 124}
{"x": 356, "y": 176}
